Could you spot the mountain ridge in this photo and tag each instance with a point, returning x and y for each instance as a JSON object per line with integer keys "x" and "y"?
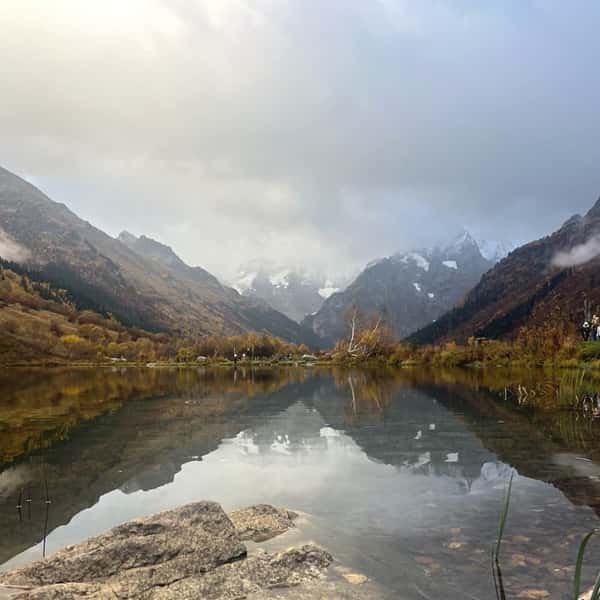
{"x": 165, "y": 255}
{"x": 148, "y": 286}
{"x": 407, "y": 289}
{"x": 546, "y": 281}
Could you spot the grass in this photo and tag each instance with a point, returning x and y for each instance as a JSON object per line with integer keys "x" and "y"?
{"x": 497, "y": 573}
{"x": 571, "y": 388}
{"x": 579, "y": 567}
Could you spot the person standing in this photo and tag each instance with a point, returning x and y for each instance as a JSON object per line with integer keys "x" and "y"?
{"x": 594, "y": 328}
{"x": 585, "y": 331}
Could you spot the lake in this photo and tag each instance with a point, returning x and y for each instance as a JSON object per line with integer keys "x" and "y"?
{"x": 401, "y": 474}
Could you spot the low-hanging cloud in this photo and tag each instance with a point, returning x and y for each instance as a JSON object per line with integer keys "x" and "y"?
{"x": 11, "y": 250}
{"x": 578, "y": 255}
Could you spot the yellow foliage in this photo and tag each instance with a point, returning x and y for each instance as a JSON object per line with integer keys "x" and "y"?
{"x": 72, "y": 339}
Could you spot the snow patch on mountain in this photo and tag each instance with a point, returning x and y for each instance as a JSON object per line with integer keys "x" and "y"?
{"x": 291, "y": 289}
{"x": 328, "y": 290}
{"x": 280, "y": 279}
{"x": 495, "y": 251}
{"x": 412, "y": 288}
{"x": 492, "y": 250}
{"x": 244, "y": 283}
{"x": 417, "y": 258}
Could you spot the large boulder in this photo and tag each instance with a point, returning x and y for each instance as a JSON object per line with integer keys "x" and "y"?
{"x": 192, "y": 552}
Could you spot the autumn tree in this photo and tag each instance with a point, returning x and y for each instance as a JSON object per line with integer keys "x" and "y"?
{"x": 368, "y": 336}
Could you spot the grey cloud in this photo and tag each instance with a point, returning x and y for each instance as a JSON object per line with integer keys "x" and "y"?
{"x": 338, "y": 130}
{"x": 11, "y": 250}
{"x": 578, "y": 255}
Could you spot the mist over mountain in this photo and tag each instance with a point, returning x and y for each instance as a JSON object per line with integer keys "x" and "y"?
{"x": 144, "y": 283}
{"x": 408, "y": 289}
{"x": 335, "y": 256}
{"x": 141, "y": 282}
{"x": 433, "y": 294}
{"x": 293, "y": 290}
{"x": 549, "y": 281}
{"x": 336, "y": 132}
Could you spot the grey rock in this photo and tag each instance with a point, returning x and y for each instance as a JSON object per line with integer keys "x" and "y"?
{"x": 170, "y": 545}
{"x": 191, "y": 552}
{"x": 262, "y": 522}
{"x": 254, "y": 575}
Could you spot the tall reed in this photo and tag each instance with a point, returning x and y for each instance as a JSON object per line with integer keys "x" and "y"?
{"x": 496, "y": 571}
{"x": 579, "y": 568}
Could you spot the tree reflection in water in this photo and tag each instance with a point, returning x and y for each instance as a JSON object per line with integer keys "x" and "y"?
{"x": 402, "y": 470}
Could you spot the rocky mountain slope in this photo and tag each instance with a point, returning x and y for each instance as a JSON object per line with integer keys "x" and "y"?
{"x": 409, "y": 290}
{"x": 544, "y": 282}
{"x": 141, "y": 282}
{"x": 293, "y": 291}
{"x": 163, "y": 256}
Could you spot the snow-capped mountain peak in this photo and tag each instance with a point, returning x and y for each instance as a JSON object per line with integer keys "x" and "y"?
{"x": 462, "y": 241}
{"x": 408, "y": 289}
{"x": 495, "y": 251}
{"x": 294, "y": 291}
{"x": 492, "y": 250}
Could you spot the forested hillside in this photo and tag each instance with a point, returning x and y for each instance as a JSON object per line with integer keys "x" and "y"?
{"x": 43, "y": 323}
{"x": 552, "y": 281}
{"x": 143, "y": 284}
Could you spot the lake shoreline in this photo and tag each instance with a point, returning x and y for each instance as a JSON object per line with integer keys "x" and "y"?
{"x": 372, "y": 363}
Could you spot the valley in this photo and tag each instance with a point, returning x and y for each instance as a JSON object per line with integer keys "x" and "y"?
{"x": 299, "y": 300}
{"x": 71, "y": 294}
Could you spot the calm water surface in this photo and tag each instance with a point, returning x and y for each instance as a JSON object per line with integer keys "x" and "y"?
{"x": 401, "y": 475}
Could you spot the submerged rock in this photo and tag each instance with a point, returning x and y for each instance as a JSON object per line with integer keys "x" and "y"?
{"x": 195, "y": 551}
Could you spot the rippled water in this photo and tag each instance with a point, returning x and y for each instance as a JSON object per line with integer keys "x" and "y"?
{"x": 401, "y": 475}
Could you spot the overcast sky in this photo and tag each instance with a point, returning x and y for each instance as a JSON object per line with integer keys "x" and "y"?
{"x": 334, "y": 131}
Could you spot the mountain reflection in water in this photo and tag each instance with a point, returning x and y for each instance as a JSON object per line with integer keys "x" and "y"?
{"x": 401, "y": 474}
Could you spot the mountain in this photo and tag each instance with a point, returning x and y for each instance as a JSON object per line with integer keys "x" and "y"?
{"x": 141, "y": 282}
{"x": 495, "y": 251}
{"x": 164, "y": 256}
{"x": 293, "y": 291}
{"x": 408, "y": 289}
{"x": 542, "y": 282}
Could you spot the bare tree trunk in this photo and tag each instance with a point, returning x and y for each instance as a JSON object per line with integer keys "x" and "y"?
{"x": 587, "y": 316}
{"x": 351, "y": 348}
